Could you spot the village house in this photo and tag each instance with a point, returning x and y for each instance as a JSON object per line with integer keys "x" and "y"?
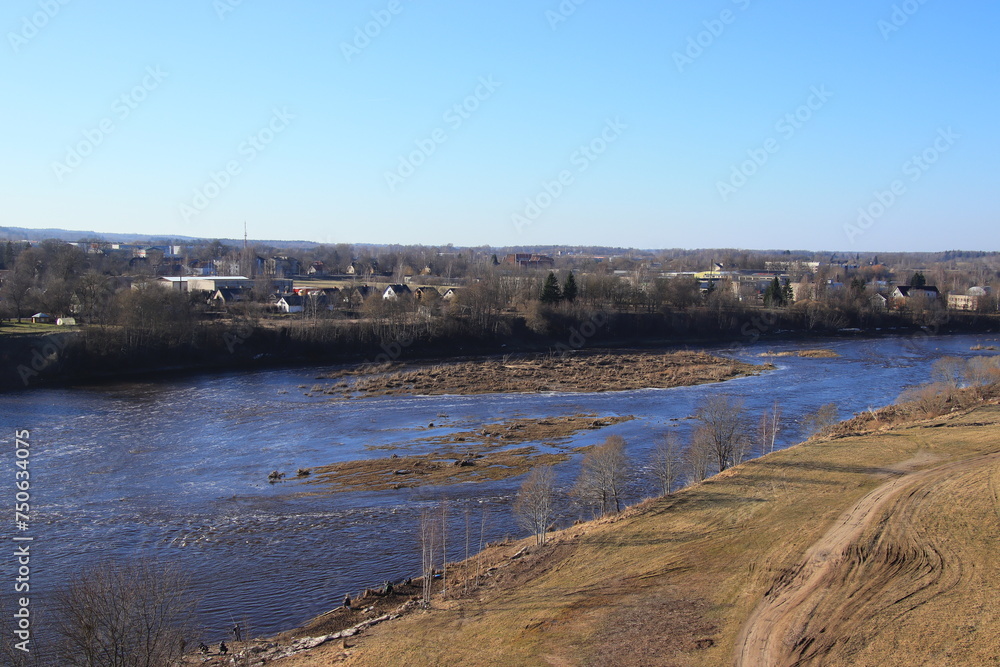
{"x": 289, "y": 303}
{"x": 905, "y": 294}
{"x": 227, "y": 295}
{"x": 909, "y": 292}
{"x": 974, "y": 299}
{"x": 393, "y": 292}
{"x": 281, "y": 266}
{"x": 451, "y": 294}
{"x": 427, "y": 293}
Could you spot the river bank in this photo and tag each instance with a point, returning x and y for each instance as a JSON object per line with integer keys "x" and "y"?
{"x": 66, "y": 358}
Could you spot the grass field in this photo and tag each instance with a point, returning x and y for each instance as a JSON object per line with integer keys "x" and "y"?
{"x": 864, "y": 550}
{"x": 26, "y": 327}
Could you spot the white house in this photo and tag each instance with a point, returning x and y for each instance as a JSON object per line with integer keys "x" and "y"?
{"x": 393, "y": 292}
{"x": 290, "y": 303}
{"x": 908, "y": 292}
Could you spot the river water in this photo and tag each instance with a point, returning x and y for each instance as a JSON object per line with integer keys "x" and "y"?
{"x": 176, "y": 470}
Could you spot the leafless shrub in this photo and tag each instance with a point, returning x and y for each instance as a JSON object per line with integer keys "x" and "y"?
{"x": 950, "y": 371}
{"x": 927, "y": 400}
{"x": 981, "y": 371}
{"x": 124, "y": 615}
{"x": 821, "y": 420}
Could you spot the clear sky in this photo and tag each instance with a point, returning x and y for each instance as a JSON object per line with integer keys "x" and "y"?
{"x": 735, "y": 123}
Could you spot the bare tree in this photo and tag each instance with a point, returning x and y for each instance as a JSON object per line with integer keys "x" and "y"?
{"x": 665, "y": 463}
{"x": 949, "y": 371}
{"x": 482, "y": 540}
{"x": 444, "y": 547}
{"x": 722, "y": 426}
{"x": 430, "y": 526}
{"x": 602, "y": 477}
{"x": 468, "y": 528}
{"x": 819, "y": 421}
{"x": 980, "y": 371}
{"x": 124, "y": 615}
{"x": 533, "y": 506}
{"x": 698, "y": 456}
{"x": 769, "y": 427}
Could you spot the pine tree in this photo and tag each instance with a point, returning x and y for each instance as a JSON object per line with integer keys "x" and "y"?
{"x": 569, "y": 288}
{"x": 550, "y": 290}
{"x": 918, "y": 280}
{"x": 787, "y": 293}
{"x": 772, "y": 295}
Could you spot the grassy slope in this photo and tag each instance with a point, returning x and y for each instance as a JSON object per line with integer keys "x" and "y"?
{"x": 672, "y": 582}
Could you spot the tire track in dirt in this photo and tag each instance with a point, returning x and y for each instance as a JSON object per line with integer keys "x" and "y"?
{"x": 843, "y": 577}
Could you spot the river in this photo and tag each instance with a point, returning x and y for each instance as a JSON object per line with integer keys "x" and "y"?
{"x": 176, "y": 469}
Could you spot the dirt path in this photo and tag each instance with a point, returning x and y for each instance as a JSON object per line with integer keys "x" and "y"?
{"x": 821, "y": 599}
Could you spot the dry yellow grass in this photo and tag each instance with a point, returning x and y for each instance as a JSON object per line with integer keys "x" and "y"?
{"x": 862, "y": 550}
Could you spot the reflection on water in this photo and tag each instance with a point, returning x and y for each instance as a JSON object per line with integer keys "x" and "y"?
{"x": 178, "y": 469}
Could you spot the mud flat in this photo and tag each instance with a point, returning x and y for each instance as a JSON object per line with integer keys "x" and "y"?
{"x": 581, "y": 372}
{"x": 484, "y": 454}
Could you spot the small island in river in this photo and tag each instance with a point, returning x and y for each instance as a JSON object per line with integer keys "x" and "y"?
{"x": 580, "y": 372}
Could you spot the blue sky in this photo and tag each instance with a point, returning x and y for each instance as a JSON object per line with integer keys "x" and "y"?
{"x": 736, "y": 123}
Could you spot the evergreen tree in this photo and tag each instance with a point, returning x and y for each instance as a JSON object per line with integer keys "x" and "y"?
{"x": 494, "y": 260}
{"x": 550, "y": 290}
{"x": 772, "y": 295}
{"x": 787, "y": 293}
{"x": 569, "y": 288}
{"x": 918, "y": 280}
